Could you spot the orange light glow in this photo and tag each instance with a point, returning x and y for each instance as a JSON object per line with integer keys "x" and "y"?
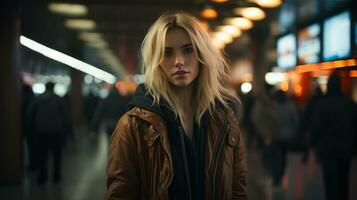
{"x": 252, "y": 13}
{"x": 285, "y": 86}
{"x": 326, "y": 65}
{"x": 247, "y": 77}
{"x": 125, "y": 87}
{"x": 320, "y": 73}
{"x": 353, "y": 73}
{"x": 298, "y": 90}
{"x": 209, "y": 13}
{"x": 219, "y": 1}
{"x": 334, "y": 64}
{"x": 307, "y": 68}
{"x": 240, "y": 22}
{"x": 268, "y": 3}
{"x": 230, "y": 30}
{"x": 351, "y": 62}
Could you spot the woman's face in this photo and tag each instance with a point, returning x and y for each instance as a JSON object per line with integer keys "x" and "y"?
{"x": 179, "y": 63}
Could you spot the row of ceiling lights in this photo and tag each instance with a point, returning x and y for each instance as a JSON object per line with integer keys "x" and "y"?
{"x": 232, "y": 27}
{"x": 86, "y": 29}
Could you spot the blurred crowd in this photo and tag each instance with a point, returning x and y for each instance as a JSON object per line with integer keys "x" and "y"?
{"x": 48, "y": 126}
{"x": 275, "y": 124}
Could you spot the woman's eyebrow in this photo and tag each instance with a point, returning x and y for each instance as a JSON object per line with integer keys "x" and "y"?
{"x": 186, "y": 45}
{"x": 183, "y": 46}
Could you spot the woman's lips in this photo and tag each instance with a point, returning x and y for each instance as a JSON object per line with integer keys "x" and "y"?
{"x": 180, "y": 72}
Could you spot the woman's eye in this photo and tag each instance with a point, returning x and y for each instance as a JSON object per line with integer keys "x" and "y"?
{"x": 168, "y": 53}
{"x": 188, "y": 51}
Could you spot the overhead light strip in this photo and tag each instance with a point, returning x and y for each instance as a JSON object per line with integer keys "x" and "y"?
{"x": 326, "y": 65}
{"x": 68, "y": 9}
{"x": 68, "y": 60}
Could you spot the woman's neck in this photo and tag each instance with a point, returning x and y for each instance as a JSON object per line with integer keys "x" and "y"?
{"x": 185, "y": 95}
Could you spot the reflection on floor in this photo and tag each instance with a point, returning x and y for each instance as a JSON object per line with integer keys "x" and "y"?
{"x": 84, "y": 164}
{"x": 302, "y": 181}
{"x": 83, "y": 172}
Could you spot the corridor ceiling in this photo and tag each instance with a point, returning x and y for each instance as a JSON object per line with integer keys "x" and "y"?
{"x": 123, "y": 24}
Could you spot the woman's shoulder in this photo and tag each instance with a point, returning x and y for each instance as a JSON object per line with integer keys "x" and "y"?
{"x": 229, "y": 112}
{"x": 140, "y": 116}
{"x": 138, "y": 119}
{"x": 131, "y": 115}
{"x": 127, "y": 122}
{"x": 234, "y": 107}
{"x": 144, "y": 114}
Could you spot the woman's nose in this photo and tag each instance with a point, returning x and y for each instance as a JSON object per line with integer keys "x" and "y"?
{"x": 179, "y": 60}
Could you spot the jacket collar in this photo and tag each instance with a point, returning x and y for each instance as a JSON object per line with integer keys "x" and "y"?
{"x": 156, "y": 120}
{"x": 159, "y": 123}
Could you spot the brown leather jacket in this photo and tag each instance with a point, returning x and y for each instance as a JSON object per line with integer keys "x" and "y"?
{"x": 140, "y": 161}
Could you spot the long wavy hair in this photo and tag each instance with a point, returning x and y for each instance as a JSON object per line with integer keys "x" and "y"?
{"x": 210, "y": 87}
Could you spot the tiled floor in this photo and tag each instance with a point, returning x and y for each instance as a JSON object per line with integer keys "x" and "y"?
{"x": 84, "y": 177}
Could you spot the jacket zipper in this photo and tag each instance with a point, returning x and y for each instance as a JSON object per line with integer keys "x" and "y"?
{"x": 183, "y": 148}
{"x": 216, "y": 158}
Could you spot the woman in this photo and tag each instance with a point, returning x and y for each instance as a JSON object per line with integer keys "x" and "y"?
{"x": 181, "y": 138}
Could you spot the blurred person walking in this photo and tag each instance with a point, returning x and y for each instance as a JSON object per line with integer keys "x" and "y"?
{"x": 247, "y": 124}
{"x": 90, "y": 105}
{"x": 288, "y": 127}
{"x": 181, "y": 137}
{"x": 50, "y": 123}
{"x": 27, "y": 97}
{"x": 305, "y": 125}
{"x": 265, "y": 119}
{"x": 333, "y": 136}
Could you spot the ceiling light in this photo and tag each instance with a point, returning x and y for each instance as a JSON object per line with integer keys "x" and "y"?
{"x": 94, "y": 40}
{"x": 219, "y": 1}
{"x": 68, "y": 60}
{"x": 90, "y": 36}
{"x": 68, "y": 9}
{"x": 252, "y": 13}
{"x": 268, "y": 3}
{"x": 240, "y": 22}
{"x": 209, "y": 13}
{"x": 231, "y": 30}
{"x": 82, "y": 24}
{"x": 100, "y": 44}
{"x": 218, "y": 44}
{"x": 222, "y": 36}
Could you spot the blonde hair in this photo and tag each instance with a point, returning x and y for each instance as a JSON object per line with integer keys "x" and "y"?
{"x": 213, "y": 76}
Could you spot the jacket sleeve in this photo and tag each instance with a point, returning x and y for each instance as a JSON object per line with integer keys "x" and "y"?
{"x": 239, "y": 185}
{"x": 239, "y": 188}
{"x": 123, "y": 168}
